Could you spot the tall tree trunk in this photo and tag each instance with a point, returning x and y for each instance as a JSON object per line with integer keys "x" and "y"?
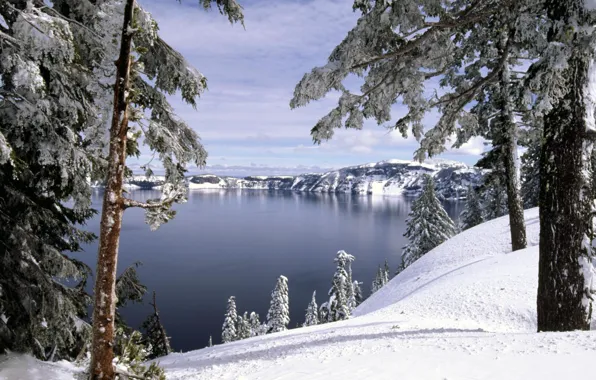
{"x": 517, "y": 225}
{"x": 104, "y": 309}
{"x": 565, "y": 193}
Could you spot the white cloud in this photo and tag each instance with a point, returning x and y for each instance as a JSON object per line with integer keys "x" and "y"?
{"x": 245, "y": 116}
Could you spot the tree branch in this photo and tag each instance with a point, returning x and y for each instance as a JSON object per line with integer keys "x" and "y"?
{"x": 128, "y": 203}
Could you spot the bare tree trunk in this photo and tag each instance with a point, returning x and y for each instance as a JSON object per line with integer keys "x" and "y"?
{"x": 565, "y": 193}
{"x": 517, "y": 225}
{"x": 104, "y": 309}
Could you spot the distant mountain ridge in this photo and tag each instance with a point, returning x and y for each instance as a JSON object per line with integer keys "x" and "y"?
{"x": 391, "y": 177}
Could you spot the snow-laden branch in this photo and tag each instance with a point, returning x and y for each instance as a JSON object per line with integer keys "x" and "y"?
{"x": 128, "y": 203}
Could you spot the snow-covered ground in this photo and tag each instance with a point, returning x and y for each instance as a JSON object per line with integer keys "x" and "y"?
{"x": 466, "y": 310}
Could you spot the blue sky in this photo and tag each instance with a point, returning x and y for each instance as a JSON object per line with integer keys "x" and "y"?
{"x": 244, "y": 119}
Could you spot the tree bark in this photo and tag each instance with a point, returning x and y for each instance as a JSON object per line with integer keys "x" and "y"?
{"x": 517, "y": 225}
{"x": 102, "y": 352}
{"x": 565, "y": 193}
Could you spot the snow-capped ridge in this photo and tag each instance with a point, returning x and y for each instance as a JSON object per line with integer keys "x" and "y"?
{"x": 389, "y": 177}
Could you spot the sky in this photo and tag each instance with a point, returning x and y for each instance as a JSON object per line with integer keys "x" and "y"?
{"x": 244, "y": 119}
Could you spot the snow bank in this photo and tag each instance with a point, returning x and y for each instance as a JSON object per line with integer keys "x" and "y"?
{"x": 465, "y": 310}
{"x": 25, "y": 367}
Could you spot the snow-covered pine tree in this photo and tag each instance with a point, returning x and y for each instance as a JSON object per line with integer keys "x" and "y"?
{"x": 428, "y": 224}
{"x": 229, "y": 332}
{"x": 158, "y": 342}
{"x": 278, "y": 316}
{"x": 143, "y": 103}
{"x": 358, "y": 292}
{"x": 44, "y": 193}
{"x": 399, "y": 47}
{"x": 378, "y": 281}
{"x": 385, "y": 273}
{"x": 312, "y": 312}
{"x": 338, "y": 294}
{"x": 563, "y": 79}
{"x": 210, "y": 343}
{"x": 256, "y": 328}
{"x": 243, "y": 327}
{"x": 472, "y": 214}
{"x": 131, "y": 353}
{"x": 324, "y": 313}
{"x": 350, "y": 294}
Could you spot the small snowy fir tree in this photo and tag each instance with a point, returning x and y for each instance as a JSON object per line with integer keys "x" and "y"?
{"x": 358, "y": 292}
{"x": 379, "y": 280}
{"x": 312, "y": 312}
{"x": 130, "y": 356}
{"x": 256, "y": 328}
{"x": 472, "y": 214}
{"x": 278, "y": 316}
{"x": 229, "y": 333}
{"x": 350, "y": 293}
{"x": 210, "y": 343}
{"x": 385, "y": 273}
{"x": 428, "y": 225}
{"x": 324, "y": 313}
{"x": 374, "y": 287}
{"x": 155, "y": 334}
{"x": 243, "y": 327}
{"x": 338, "y": 294}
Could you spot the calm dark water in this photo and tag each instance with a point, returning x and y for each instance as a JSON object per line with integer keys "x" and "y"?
{"x": 225, "y": 243}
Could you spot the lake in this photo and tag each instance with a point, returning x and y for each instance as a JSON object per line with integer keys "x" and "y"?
{"x": 237, "y": 242}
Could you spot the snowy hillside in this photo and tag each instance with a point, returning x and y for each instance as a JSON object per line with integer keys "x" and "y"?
{"x": 391, "y": 177}
{"x": 465, "y": 310}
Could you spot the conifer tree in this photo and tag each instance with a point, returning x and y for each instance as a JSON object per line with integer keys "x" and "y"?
{"x": 278, "y": 316}
{"x": 428, "y": 225}
{"x": 386, "y": 273}
{"x": 210, "y": 343}
{"x": 338, "y": 294}
{"x": 350, "y": 293}
{"x": 256, "y": 328}
{"x": 229, "y": 332}
{"x": 324, "y": 313}
{"x": 358, "y": 293}
{"x": 243, "y": 327}
{"x": 143, "y": 104}
{"x": 378, "y": 281}
{"x": 472, "y": 214}
{"x": 44, "y": 193}
{"x": 155, "y": 334}
{"x": 563, "y": 78}
{"x": 312, "y": 312}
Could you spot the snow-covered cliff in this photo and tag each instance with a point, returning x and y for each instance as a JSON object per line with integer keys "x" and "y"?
{"x": 391, "y": 177}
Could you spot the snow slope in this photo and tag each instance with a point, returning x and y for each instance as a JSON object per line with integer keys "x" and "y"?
{"x": 466, "y": 310}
